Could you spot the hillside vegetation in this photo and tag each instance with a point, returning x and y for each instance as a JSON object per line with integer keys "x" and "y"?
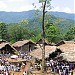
{"x": 15, "y": 26}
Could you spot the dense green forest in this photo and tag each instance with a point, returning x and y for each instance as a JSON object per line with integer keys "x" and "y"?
{"x": 56, "y": 29}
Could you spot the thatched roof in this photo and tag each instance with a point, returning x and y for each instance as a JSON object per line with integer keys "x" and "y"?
{"x": 69, "y": 56}
{"x": 37, "y": 53}
{"x": 46, "y": 42}
{"x": 1, "y": 41}
{"x": 68, "y": 47}
{"x": 5, "y": 43}
{"x": 21, "y": 43}
{"x": 64, "y": 42}
{"x": 69, "y": 42}
{"x": 40, "y": 42}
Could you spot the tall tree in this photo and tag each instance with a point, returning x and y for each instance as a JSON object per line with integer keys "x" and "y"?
{"x": 45, "y": 6}
{"x": 52, "y": 33}
{"x": 3, "y": 31}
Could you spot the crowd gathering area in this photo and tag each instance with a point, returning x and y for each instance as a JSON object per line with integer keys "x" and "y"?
{"x": 23, "y": 65}
{"x": 30, "y": 63}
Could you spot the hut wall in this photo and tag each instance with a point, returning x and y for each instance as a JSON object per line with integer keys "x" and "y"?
{"x": 18, "y": 48}
{"x": 25, "y": 48}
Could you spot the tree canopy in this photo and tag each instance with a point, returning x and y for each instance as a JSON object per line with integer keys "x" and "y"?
{"x": 3, "y": 31}
{"x": 53, "y": 34}
{"x": 70, "y": 34}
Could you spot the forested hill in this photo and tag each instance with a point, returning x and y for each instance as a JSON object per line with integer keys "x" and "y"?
{"x": 63, "y": 15}
{"x": 15, "y": 17}
{"x": 27, "y": 25}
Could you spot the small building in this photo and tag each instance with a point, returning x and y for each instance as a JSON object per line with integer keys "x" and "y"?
{"x": 24, "y": 46}
{"x": 46, "y": 42}
{"x": 37, "y": 53}
{"x": 64, "y": 42}
{"x": 6, "y": 48}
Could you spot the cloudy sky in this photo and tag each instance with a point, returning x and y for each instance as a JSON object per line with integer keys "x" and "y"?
{"x": 25, "y": 5}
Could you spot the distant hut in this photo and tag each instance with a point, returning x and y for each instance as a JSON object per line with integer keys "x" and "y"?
{"x": 1, "y": 41}
{"x": 46, "y": 42}
{"x": 64, "y": 42}
{"x": 6, "y": 48}
{"x": 24, "y": 46}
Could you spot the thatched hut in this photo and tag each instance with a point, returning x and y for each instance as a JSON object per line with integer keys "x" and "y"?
{"x": 64, "y": 42}
{"x": 40, "y": 42}
{"x": 24, "y": 46}
{"x": 46, "y": 42}
{"x": 6, "y": 48}
{"x": 37, "y": 53}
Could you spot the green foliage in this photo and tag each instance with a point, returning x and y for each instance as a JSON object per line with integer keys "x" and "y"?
{"x": 17, "y": 32}
{"x": 32, "y": 29}
{"x": 53, "y": 34}
{"x": 3, "y": 30}
{"x": 23, "y": 30}
{"x": 64, "y": 24}
{"x": 24, "y": 22}
{"x": 70, "y": 34}
{"x": 46, "y": 3}
{"x": 36, "y": 38}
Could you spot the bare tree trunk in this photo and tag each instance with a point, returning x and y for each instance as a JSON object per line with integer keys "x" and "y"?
{"x": 43, "y": 39}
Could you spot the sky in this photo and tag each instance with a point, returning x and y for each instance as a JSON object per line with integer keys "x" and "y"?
{"x": 25, "y": 5}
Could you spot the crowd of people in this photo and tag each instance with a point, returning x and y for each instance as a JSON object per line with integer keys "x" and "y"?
{"x": 62, "y": 68}
{"x": 6, "y": 66}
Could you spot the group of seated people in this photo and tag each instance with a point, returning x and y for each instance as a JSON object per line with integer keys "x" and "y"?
{"x": 24, "y": 56}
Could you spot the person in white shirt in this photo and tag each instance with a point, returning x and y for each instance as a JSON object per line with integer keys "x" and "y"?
{"x": 25, "y": 73}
